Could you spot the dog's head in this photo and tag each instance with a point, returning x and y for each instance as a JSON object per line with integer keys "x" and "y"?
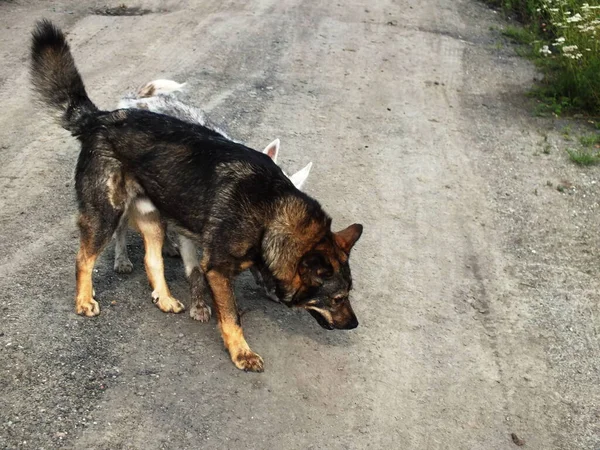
{"x": 323, "y": 281}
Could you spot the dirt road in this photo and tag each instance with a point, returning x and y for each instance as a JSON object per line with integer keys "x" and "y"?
{"x": 476, "y": 280}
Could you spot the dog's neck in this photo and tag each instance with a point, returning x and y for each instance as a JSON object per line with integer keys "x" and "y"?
{"x": 297, "y": 224}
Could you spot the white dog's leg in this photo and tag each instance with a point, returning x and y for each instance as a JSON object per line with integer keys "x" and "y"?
{"x": 122, "y": 262}
{"x": 199, "y": 290}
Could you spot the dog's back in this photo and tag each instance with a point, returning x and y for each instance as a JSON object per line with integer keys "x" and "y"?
{"x": 166, "y": 104}
{"x": 172, "y": 159}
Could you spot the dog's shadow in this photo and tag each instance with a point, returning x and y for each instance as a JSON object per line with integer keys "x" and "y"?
{"x": 250, "y": 297}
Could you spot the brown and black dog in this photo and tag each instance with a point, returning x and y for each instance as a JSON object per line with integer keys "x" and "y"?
{"x": 235, "y": 203}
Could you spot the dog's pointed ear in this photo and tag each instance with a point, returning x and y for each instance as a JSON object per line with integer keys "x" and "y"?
{"x": 272, "y": 150}
{"x": 300, "y": 177}
{"x": 348, "y": 236}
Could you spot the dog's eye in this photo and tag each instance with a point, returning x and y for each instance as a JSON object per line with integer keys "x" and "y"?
{"x": 338, "y": 299}
{"x": 325, "y": 272}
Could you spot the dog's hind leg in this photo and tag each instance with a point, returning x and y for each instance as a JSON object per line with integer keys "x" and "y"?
{"x": 199, "y": 310}
{"x": 122, "y": 262}
{"x": 153, "y": 233}
{"x": 229, "y": 319}
{"x": 95, "y": 232}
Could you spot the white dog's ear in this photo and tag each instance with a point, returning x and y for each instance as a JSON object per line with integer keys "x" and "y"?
{"x": 300, "y": 177}
{"x": 157, "y": 87}
{"x": 272, "y": 150}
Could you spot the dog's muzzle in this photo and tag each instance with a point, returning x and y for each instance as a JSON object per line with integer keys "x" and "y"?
{"x": 320, "y": 319}
{"x": 349, "y": 324}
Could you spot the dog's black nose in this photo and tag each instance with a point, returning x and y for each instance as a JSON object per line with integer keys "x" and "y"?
{"x": 351, "y": 324}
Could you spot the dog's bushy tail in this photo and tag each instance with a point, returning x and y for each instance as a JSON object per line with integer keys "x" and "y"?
{"x": 56, "y": 79}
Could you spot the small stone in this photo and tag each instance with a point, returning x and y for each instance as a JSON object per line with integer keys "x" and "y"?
{"x": 517, "y": 440}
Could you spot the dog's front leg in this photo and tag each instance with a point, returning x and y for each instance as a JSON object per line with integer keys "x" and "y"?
{"x": 229, "y": 322}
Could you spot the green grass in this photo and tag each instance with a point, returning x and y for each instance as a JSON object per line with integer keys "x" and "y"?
{"x": 521, "y": 9}
{"x": 583, "y": 157}
{"x": 525, "y": 51}
{"x": 563, "y": 38}
{"x": 527, "y": 10}
{"x": 590, "y": 140}
{"x": 520, "y": 35}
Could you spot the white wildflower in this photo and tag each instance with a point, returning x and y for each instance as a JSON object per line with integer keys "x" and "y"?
{"x": 569, "y": 48}
{"x": 576, "y": 18}
{"x": 553, "y": 10}
{"x": 545, "y": 50}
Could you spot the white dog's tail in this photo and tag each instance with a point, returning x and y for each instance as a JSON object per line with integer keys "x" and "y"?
{"x": 157, "y": 87}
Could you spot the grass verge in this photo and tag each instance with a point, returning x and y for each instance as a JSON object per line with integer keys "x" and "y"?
{"x": 583, "y": 157}
{"x": 563, "y": 36}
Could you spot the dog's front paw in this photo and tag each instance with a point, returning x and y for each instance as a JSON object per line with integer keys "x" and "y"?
{"x": 248, "y": 361}
{"x": 123, "y": 266}
{"x": 168, "y": 304}
{"x": 89, "y": 308}
{"x": 200, "y": 312}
